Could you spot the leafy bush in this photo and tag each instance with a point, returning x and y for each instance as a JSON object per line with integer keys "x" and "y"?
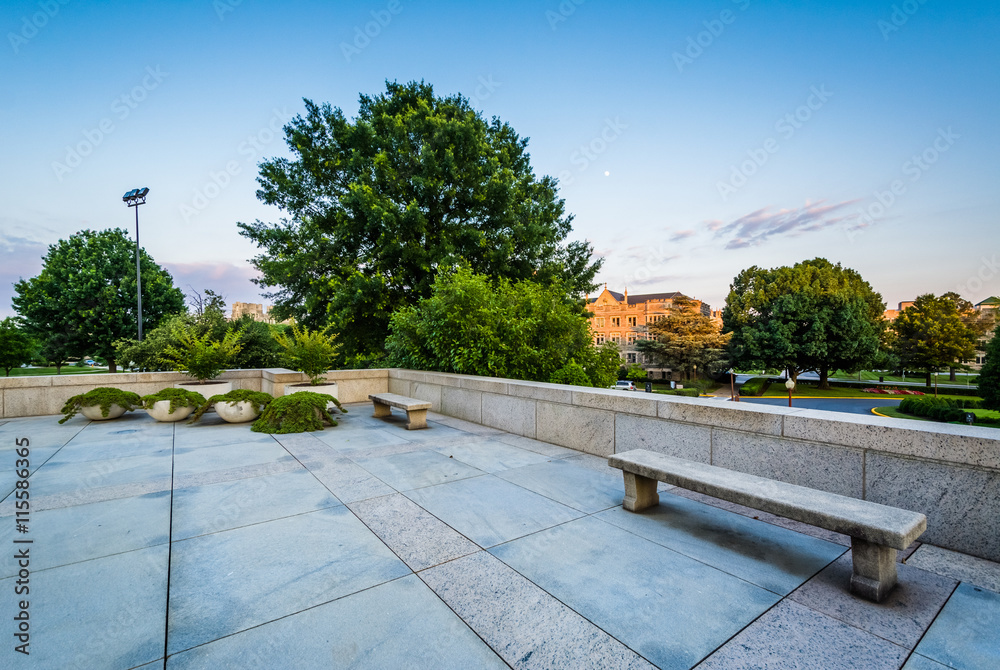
{"x": 103, "y": 396}
{"x": 690, "y": 393}
{"x": 571, "y": 373}
{"x": 178, "y": 398}
{"x": 300, "y": 412}
{"x": 311, "y": 352}
{"x": 199, "y": 357}
{"x": 938, "y": 409}
{"x": 989, "y": 376}
{"x": 755, "y": 386}
{"x": 259, "y": 399}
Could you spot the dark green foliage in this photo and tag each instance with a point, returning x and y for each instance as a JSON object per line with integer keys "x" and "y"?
{"x": 258, "y": 348}
{"x": 84, "y": 300}
{"x": 690, "y": 393}
{"x": 989, "y": 376}
{"x": 201, "y": 357}
{"x": 310, "y": 352}
{"x": 103, "y": 396}
{"x": 686, "y": 341}
{"x": 300, "y": 412}
{"x": 934, "y": 333}
{"x": 572, "y": 373}
{"x": 812, "y": 316}
{"x": 259, "y": 399}
{"x": 377, "y": 205}
{"x": 16, "y": 346}
{"x": 940, "y": 409}
{"x": 755, "y": 386}
{"x": 495, "y": 328}
{"x": 177, "y": 397}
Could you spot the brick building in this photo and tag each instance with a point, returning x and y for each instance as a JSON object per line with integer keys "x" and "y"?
{"x": 622, "y": 318}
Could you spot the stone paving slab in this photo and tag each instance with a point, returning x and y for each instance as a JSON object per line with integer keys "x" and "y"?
{"x": 77, "y": 479}
{"x": 773, "y": 558}
{"x": 976, "y": 571}
{"x": 793, "y": 637}
{"x": 488, "y": 510}
{"x": 420, "y": 539}
{"x": 967, "y": 632}
{"x": 417, "y": 469}
{"x": 199, "y": 459}
{"x": 918, "y": 662}
{"x": 398, "y": 624}
{"x": 571, "y": 484}
{"x": 84, "y": 532}
{"x": 199, "y": 510}
{"x": 491, "y": 456}
{"x": 903, "y": 617}
{"x": 524, "y": 624}
{"x": 344, "y": 478}
{"x": 636, "y": 590}
{"x": 105, "y": 613}
{"x": 233, "y": 580}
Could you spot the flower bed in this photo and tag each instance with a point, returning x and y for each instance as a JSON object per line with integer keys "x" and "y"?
{"x": 892, "y": 391}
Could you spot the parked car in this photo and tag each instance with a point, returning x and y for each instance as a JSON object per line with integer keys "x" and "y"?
{"x": 90, "y": 362}
{"x": 624, "y": 385}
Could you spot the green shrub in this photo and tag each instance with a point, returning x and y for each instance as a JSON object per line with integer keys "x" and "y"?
{"x": 199, "y": 357}
{"x": 178, "y": 398}
{"x": 311, "y": 352}
{"x": 571, "y": 373}
{"x": 755, "y": 386}
{"x": 259, "y": 399}
{"x": 103, "y": 396}
{"x": 300, "y": 412}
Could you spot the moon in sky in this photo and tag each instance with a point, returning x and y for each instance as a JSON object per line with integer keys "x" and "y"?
{"x": 607, "y": 174}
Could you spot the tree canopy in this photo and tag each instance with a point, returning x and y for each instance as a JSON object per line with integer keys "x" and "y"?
{"x": 686, "y": 340}
{"x": 989, "y": 376}
{"x": 812, "y": 316}
{"x": 377, "y": 206}
{"x": 472, "y": 324}
{"x": 85, "y": 297}
{"x": 933, "y": 334}
{"x": 16, "y": 346}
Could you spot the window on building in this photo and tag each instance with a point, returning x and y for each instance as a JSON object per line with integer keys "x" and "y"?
{"x": 631, "y": 320}
{"x": 599, "y": 339}
{"x": 616, "y": 338}
{"x": 630, "y": 357}
{"x": 600, "y": 322}
{"x": 630, "y": 338}
{"x": 616, "y": 321}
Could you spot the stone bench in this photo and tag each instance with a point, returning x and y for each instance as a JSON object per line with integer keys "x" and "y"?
{"x": 416, "y": 410}
{"x": 876, "y": 531}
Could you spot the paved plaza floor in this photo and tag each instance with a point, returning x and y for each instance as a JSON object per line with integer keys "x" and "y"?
{"x": 369, "y": 546}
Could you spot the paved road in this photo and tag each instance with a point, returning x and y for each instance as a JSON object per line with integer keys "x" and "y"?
{"x": 849, "y": 405}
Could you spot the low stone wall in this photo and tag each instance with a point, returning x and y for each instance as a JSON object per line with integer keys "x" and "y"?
{"x": 40, "y": 396}
{"x": 950, "y": 473}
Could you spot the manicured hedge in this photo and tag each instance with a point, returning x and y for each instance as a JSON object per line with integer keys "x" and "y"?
{"x": 755, "y": 386}
{"x": 941, "y": 409}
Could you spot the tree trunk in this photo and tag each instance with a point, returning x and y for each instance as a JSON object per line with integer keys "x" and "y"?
{"x": 112, "y": 367}
{"x": 951, "y": 375}
{"x": 59, "y": 368}
{"x": 824, "y": 377}
{"x": 929, "y": 382}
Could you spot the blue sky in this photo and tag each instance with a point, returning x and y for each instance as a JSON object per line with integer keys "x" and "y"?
{"x": 691, "y": 140}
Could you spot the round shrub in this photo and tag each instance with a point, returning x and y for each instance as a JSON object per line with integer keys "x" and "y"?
{"x": 300, "y": 412}
{"x": 105, "y": 397}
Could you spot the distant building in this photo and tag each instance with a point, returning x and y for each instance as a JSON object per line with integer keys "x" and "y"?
{"x": 256, "y": 311}
{"x": 623, "y": 319}
{"x": 989, "y": 308}
{"x": 893, "y": 314}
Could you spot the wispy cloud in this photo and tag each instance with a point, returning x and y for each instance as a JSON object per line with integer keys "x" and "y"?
{"x": 682, "y": 235}
{"x": 757, "y": 227}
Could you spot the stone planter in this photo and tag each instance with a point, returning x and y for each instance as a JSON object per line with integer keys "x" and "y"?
{"x": 161, "y": 412}
{"x": 236, "y": 412}
{"x": 329, "y": 388}
{"x": 94, "y": 412}
{"x": 208, "y": 389}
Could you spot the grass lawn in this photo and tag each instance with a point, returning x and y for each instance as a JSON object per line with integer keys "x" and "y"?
{"x": 66, "y": 370}
{"x": 896, "y": 414}
{"x": 868, "y": 376}
{"x": 806, "y": 390}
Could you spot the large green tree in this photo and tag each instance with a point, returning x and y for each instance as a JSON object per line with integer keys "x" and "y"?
{"x": 415, "y": 184}
{"x": 989, "y": 376}
{"x": 472, "y": 324}
{"x": 16, "y": 346}
{"x": 85, "y": 297}
{"x": 686, "y": 340}
{"x": 932, "y": 335}
{"x": 812, "y": 316}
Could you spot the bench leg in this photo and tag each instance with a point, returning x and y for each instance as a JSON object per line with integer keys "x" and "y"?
{"x": 640, "y": 492}
{"x": 417, "y": 418}
{"x": 874, "y": 569}
{"x": 382, "y": 410}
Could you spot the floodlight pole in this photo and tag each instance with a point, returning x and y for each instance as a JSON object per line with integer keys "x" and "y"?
{"x": 134, "y": 198}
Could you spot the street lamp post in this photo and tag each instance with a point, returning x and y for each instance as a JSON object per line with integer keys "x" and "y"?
{"x": 134, "y": 198}
{"x": 790, "y": 384}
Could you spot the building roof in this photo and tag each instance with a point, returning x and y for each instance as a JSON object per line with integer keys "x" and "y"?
{"x": 989, "y": 301}
{"x": 641, "y": 297}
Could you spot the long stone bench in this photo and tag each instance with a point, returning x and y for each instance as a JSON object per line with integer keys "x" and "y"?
{"x": 876, "y": 531}
{"x": 416, "y": 410}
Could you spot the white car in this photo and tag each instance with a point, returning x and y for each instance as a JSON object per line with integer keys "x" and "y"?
{"x": 624, "y": 385}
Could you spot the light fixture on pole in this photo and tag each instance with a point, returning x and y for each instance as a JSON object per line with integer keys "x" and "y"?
{"x": 790, "y": 384}
{"x": 134, "y": 198}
